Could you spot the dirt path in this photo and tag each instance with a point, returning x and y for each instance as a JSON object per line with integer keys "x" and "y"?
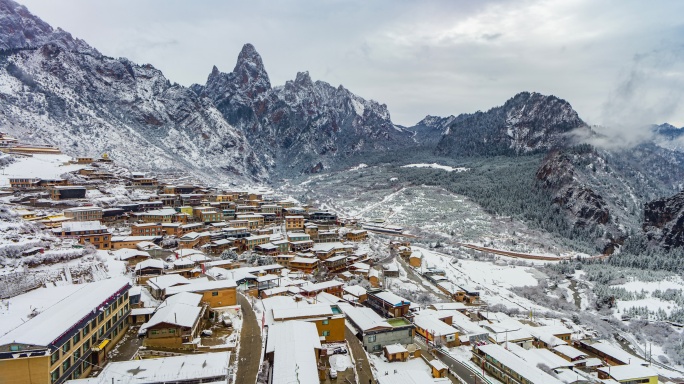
{"x": 250, "y": 344}
{"x": 360, "y": 359}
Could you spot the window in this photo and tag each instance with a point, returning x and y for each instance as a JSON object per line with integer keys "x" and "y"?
{"x": 172, "y": 331}
{"x": 86, "y": 329}
{"x": 215, "y": 293}
{"x": 109, "y": 324}
{"x": 371, "y": 339}
{"x": 326, "y": 322}
{"x": 66, "y": 364}
{"x": 66, "y": 346}
{"x": 77, "y": 338}
{"x": 14, "y": 348}
{"x": 54, "y": 376}
{"x": 100, "y": 317}
{"x": 93, "y": 339}
{"x": 153, "y": 332}
{"x": 326, "y": 333}
{"x": 100, "y": 332}
{"x": 77, "y": 372}
{"x": 77, "y": 355}
{"x": 86, "y": 345}
{"x": 108, "y": 311}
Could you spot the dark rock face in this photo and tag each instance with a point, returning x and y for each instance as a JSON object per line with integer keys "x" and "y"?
{"x": 304, "y": 125}
{"x": 557, "y": 173}
{"x": 527, "y": 123}
{"x": 664, "y": 221}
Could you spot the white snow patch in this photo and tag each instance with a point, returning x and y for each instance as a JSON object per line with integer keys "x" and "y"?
{"x": 436, "y": 166}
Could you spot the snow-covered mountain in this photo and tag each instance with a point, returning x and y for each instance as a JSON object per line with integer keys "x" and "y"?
{"x": 528, "y": 122}
{"x": 61, "y": 92}
{"x": 304, "y": 126}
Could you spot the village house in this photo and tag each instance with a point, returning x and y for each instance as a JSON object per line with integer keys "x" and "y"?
{"x": 87, "y": 232}
{"x": 332, "y": 287}
{"x": 147, "y": 269}
{"x": 294, "y": 223}
{"x": 158, "y": 285}
{"x": 327, "y": 317}
{"x": 131, "y": 242}
{"x": 131, "y": 256}
{"x": 164, "y": 215}
{"x": 187, "y": 369}
{"x": 387, "y": 303}
{"x": 396, "y": 352}
{"x": 355, "y": 293}
{"x": 84, "y": 213}
{"x": 629, "y": 374}
{"x": 66, "y": 339}
{"x": 67, "y": 192}
{"x": 293, "y": 349}
{"x": 307, "y": 265}
{"x": 356, "y": 235}
{"x": 176, "y": 323}
{"x": 373, "y": 331}
{"x": 147, "y": 229}
{"x": 217, "y": 293}
{"x": 435, "y": 330}
{"x": 509, "y": 368}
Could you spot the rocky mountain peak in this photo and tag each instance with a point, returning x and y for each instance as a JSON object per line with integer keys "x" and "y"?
{"x": 664, "y": 220}
{"x": 19, "y": 28}
{"x": 250, "y": 71}
{"x": 303, "y": 79}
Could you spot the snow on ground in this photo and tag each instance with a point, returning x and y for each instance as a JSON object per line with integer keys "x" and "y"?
{"x": 493, "y": 281}
{"x": 382, "y": 367}
{"x": 39, "y": 165}
{"x": 340, "y": 362}
{"x": 436, "y": 166}
{"x": 482, "y": 272}
{"x": 673, "y": 282}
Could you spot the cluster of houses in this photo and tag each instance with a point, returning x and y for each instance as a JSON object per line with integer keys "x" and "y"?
{"x": 186, "y": 248}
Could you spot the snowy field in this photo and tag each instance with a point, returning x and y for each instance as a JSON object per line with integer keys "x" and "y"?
{"x": 39, "y": 165}
{"x": 436, "y": 166}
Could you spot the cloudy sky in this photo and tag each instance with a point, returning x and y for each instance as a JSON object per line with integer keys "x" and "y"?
{"x": 619, "y": 63}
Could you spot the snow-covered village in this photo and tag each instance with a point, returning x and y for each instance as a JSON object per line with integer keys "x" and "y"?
{"x": 176, "y": 208}
{"x": 115, "y": 275}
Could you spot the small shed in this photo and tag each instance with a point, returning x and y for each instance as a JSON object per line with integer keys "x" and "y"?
{"x": 396, "y": 352}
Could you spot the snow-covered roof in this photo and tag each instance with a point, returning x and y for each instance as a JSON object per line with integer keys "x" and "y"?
{"x": 142, "y": 311}
{"x": 455, "y": 306}
{"x": 325, "y": 297}
{"x": 125, "y": 253}
{"x": 355, "y": 290}
{"x": 303, "y": 260}
{"x": 364, "y": 318}
{"x": 147, "y": 371}
{"x": 434, "y": 325}
{"x": 69, "y": 310}
{"x": 438, "y": 365}
{"x": 536, "y": 356}
{"x": 78, "y": 226}
{"x": 523, "y": 368}
{"x": 149, "y": 263}
{"x": 617, "y": 353}
{"x": 569, "y": 351}
{"x": 391, "y": 298}
{"x": 327, "y": 247}
{"x": 395, "y": 348}
{"x": 201, "y": 285}
{"x": 313, "y": 310}
{"x": 321, "y": 286}
{"x": 159, "y": 212}
{"x": 406, "y": 377}
{"x": 179, "y": 311}
{"x": 629, "y": 371}
{"x": 165, "y": 281}
{"x": 293, "y": 344}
